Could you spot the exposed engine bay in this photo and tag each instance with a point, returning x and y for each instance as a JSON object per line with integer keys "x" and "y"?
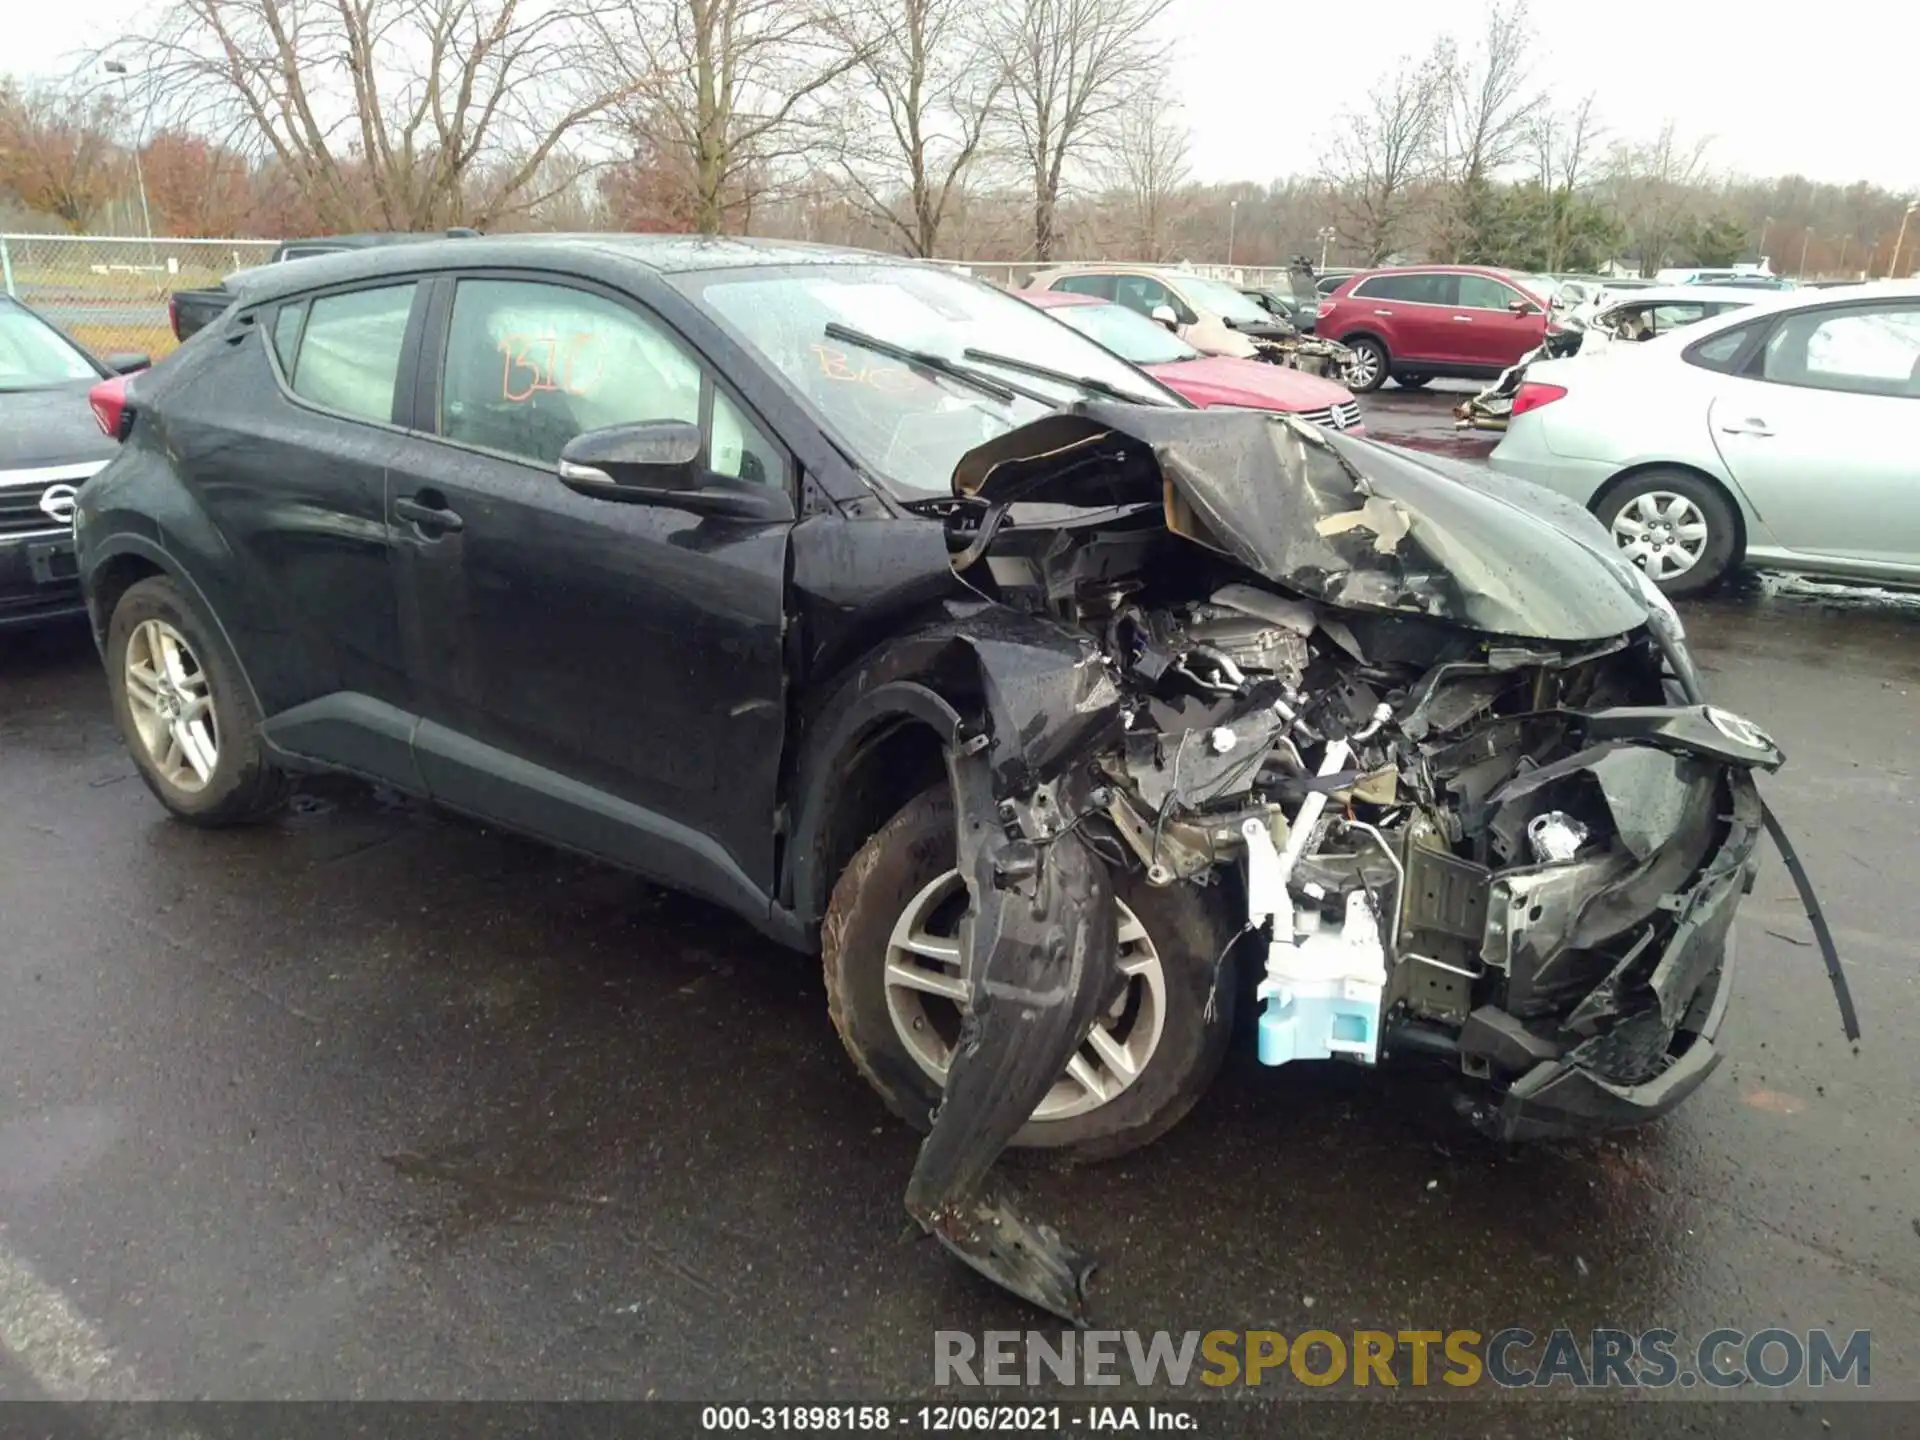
{"x": 1442, "y": 769}
{"x": 1308, "y": 354}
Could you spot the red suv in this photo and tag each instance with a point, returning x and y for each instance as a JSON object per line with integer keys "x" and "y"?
{"x": 1421, "y": 321}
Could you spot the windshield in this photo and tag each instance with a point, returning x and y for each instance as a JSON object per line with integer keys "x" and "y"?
{"x": 1127, "y": 333}
{"x": 1222, "y": 299}
{"x": 33, "y": 354}
{"x": 904, "y": 422}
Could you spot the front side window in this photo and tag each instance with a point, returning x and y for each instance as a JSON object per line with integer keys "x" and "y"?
{"x": 530, "y": 365}
{"x": 1868, "y": 351}
{"x": 349, "y": 355}
{"x": 1142, "y": 293}
{"x": 1101, "y": 285}
{"x": 1483, "y": 292}
{"x": 34, "y": 355}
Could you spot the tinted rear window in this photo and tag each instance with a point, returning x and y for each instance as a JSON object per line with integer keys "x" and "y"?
{"x": 349, "y": 357}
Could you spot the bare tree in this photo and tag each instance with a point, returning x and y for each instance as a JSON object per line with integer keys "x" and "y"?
{"x": 926, "y": 86}
{"x": 57, "y": 152}
{"x": 1070, "y": 67}
{"x": 383, "y": 111}
{"x": 1378, "y": 157}
{"x": 738, "y": 87}
{"x": 1658, "y": 189}
{"x": 1489, "y": 112}
{"x": 1146, "y": 172}
{"x": 1563, "y": 152}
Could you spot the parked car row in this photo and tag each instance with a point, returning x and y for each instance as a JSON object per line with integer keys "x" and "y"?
{"x": 1591, "y": 328}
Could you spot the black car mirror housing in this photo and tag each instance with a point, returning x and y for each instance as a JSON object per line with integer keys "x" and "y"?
{"x": 658, "y": 462}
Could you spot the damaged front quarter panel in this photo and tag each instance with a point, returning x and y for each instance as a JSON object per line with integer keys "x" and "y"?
{"x": 1423, "y": 723}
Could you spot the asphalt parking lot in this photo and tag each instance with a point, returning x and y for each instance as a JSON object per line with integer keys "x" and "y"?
{"x": 372, "y": 1103}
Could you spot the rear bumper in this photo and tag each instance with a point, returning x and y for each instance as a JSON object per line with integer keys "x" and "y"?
{"x": 1521, "y": 457}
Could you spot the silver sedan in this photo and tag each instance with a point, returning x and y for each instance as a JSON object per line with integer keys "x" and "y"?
{"x": 1782, "y": 435}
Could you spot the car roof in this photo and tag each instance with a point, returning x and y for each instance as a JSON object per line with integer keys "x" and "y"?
{"x": 1672, "y": 294}
{"x": 661, "y": 254}
{"x": 1060, "y": 299}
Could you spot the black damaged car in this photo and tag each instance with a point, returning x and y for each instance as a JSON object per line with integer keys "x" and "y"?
{"x": 878, "y": 607}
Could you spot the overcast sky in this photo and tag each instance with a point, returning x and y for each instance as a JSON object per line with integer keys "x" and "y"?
{"x": 1824, "y": 90}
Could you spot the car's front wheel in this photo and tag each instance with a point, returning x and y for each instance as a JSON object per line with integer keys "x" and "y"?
{"x": 894, "y": 989}
{"x": 186, "y": 718}
{"x": 1367, "y": 368}
{"x": 1677, "y": 526}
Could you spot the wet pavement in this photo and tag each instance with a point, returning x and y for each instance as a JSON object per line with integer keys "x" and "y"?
{"x": 372, "y": 1103}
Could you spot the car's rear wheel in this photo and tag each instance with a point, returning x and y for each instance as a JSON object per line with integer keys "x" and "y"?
{"x": 894, "y": 989}
{"x": 1677, "y": 526}
{"x": 186, "y": 718}
{"x": 1411, "y": 382}
{"x": 1367, "y": 369}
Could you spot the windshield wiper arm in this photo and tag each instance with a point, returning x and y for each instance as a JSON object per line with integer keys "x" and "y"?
{"x": 1041, "y": 372}
{"x": 926, "y": 360}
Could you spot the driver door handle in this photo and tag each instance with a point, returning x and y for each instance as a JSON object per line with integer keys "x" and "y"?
{"x": 1464, "y": 319}
{"x": 1751, "y": 426}
{"x": 424, "y": 512}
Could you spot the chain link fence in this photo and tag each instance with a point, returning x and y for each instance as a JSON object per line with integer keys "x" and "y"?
{"x": 110, "y": 292}
{"x": 1017, "y": 274}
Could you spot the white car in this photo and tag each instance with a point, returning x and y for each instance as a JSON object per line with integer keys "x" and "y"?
{"x": 1781, "y": 435}
{"x": 1210, "y": 315}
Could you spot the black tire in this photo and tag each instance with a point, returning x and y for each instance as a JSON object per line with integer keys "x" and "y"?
{"x": 1411, "y": 382}
{"x": 1723, "y": 527}
{"x": 1371, "y": 356}
{"x": 244, "y": 785}
{"x": 914, "y": 848}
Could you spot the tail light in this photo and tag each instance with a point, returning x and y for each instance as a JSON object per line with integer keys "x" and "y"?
{"x": 173, "y": 316}
{"x": 1325, "y": 309}
{"x": 1532, "y": 394}
{"x": 112, "y": 407}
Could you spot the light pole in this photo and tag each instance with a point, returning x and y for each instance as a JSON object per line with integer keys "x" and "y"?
{"x": 119, "y": 67}
{"x": 1806, "y": 236}
{"x": 1326, "y": 237}
{"x": 1893, "y": 265}
{"x": 1766, "y": 224}
{"x": 1233, "y": 216}
{"x": 1845, "y": 240}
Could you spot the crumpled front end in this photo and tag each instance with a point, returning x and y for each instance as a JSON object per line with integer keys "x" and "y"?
{"x": 1449, "y": 804}
{"x": 1309, "y": 354}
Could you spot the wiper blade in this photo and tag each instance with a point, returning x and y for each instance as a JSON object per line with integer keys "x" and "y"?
{"x": 927, "y": 360}
{"x": 1042, "y": 372}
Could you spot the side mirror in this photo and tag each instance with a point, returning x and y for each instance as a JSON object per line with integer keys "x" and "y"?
{"x": 127, "y": 362}
{"x": 1164, "y": 314}
{"x": 657, "y": 462}
{"x": 1523, "y": 307}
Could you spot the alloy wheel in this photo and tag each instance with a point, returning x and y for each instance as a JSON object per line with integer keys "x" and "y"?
{"x": 1663, "y": 533}
{"x": 926, "y": 998}
{"x": 170, "y": 699}
{"x": 1364, "y": 368}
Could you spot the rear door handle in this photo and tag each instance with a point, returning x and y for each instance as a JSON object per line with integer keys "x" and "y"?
{"x": 426, "y": 514}
{"x": 1756, "y": 428}
{"x": 1383, "y": 312}
{"x": 1464, "y": 319}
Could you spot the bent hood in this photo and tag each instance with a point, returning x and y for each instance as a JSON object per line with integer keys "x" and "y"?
{"x": 1342, "y": 520}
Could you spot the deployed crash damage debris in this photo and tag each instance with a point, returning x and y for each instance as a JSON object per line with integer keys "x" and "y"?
{"x": 1308, "y": 354}
{"x": 1419, "y": 744}
{"x": 1493, "y": 406}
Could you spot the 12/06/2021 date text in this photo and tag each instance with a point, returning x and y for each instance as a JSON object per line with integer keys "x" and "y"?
{"x": 945, "y": 1419}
